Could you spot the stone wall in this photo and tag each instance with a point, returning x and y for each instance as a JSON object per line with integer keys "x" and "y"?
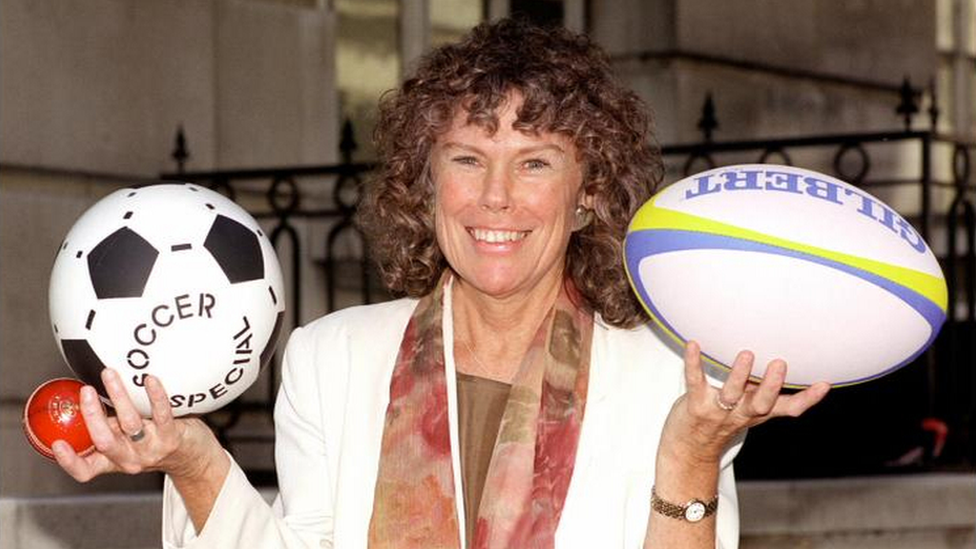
{"x": 91, "y": 95}
{"x": 775, "y": 68}
{"x": 101, "y": 86}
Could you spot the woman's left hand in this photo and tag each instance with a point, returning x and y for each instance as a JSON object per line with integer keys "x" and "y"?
{"x": 706, "y": 419}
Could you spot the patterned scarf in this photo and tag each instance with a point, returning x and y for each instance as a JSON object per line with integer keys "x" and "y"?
{"x": 534, "y": 453}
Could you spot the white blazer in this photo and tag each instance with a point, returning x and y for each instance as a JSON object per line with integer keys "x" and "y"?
{"x": 329, "y": 419}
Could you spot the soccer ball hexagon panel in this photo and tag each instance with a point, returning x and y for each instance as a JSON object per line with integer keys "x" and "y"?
{"x": 172, "y": 280}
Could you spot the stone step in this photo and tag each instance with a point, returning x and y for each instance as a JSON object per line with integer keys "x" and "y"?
{"x": 924, "y": 511}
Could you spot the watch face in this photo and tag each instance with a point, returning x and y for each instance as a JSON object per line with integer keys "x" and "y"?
{"x": 695, "y": 511}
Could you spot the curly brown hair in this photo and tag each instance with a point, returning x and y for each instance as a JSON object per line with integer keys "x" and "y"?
{"x": 567, "y": 87}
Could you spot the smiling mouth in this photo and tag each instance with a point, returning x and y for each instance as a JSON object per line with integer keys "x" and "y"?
{"x": 497, "y": 236}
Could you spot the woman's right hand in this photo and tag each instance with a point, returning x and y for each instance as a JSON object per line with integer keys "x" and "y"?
{"x": 183, "y": 448}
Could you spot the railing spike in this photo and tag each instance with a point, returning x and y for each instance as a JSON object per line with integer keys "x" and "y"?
{"x": 347, "y": 141}
{"x": 934, "y": 111}
{"x": 180, "y": 151}
{"x": 708, "y": 122}
{"x": 908, "y": 107}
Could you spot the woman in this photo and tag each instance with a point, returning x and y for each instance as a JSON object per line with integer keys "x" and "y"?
{"x": 515, "y": 397}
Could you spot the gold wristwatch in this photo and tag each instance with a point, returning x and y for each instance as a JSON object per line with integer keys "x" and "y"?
{"x": 693, "y": 511}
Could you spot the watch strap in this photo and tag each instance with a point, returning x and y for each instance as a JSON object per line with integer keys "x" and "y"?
{"x": 675, "y": 511}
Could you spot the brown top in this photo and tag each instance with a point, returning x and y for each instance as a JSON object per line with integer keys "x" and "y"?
{"x": 481, "y": 403}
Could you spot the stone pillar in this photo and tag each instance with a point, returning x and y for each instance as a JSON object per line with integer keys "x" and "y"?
{"x": 574, "y": 15}
{"x": 962, "y": 68}
{"x": 497, "y": 9}
{"x": 414, "y": 24}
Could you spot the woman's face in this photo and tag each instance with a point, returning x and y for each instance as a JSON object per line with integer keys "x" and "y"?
{"x": 504, "y": 203}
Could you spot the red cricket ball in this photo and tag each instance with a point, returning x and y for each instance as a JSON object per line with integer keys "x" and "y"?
{"x": 53, "y": 412}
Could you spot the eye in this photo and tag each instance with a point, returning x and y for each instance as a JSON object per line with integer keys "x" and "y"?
{"x": 536, "y": 164}
{"x": 465, "y": 160}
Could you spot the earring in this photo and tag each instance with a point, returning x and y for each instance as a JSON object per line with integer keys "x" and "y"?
{"x": 583, "y": 215}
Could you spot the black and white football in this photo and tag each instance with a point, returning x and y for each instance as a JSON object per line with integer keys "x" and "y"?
{"x": 172, "y": 280}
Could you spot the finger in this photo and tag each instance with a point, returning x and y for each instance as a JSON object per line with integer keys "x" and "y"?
{"x": 694, "y": 376}
{"x": 797, "y": 404}
{"x": 764, "y": 398}
{"x": 93, "y": 413}
{"x": 79, "y": 468}
{"x": 129, "y": 419}
{"x": 735, "y": 385}
{"x": 162, "y": 411}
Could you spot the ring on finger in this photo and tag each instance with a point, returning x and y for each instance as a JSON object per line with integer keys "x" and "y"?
{"x": 728, "y": 407}
{"x": 138, "y": 435}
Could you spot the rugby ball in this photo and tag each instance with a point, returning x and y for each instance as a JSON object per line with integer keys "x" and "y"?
{"x": 788, "y": 263}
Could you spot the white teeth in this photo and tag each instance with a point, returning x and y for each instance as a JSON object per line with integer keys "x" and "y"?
{"x": 485, "y": 235}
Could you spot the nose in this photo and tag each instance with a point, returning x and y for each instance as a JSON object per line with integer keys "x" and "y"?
{"x": 496, "y": 192}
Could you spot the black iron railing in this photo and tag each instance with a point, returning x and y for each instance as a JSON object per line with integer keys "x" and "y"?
{"x": 942, "y": 388}
{"x": 898, "y": 422}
